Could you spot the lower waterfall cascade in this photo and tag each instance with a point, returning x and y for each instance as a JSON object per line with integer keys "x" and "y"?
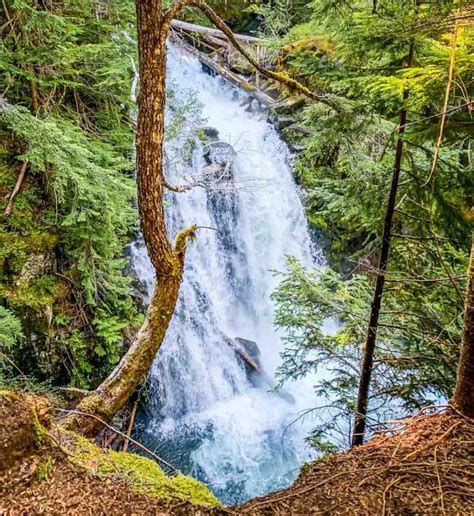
{"x": 204, "y": 416}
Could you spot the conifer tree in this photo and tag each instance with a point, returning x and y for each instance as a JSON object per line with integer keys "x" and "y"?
{"x": 369, "y": 348}
{"x": 347, "y": 171}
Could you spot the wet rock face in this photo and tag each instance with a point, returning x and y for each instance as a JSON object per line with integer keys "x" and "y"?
{"x": 219, "y": 153}
{"x": 223, "y": 206}
{"x": 283, "y": 121}
{"x": 219, "y": 157}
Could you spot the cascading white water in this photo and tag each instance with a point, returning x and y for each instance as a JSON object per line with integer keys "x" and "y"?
{"x": 204, "y": 415}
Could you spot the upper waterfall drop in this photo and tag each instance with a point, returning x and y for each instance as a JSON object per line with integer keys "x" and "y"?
{"x": 204, "y": 415}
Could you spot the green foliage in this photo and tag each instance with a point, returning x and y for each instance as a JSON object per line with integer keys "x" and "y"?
{"x": 11, "y": 333}
{"x": 141, "y": 473}
{"x": 66, "y": 76}
{"x": 10, "y": 329}
{"x": 359, "y": 56}
{"x": 325, "y": 319}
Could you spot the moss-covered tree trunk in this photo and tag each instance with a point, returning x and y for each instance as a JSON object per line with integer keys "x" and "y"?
{"x": 463, "y": 399}
{"x": 167, "y": 259}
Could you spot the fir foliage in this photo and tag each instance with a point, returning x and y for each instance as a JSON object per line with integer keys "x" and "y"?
{"x": 357, "y": 52}
{"x": 66, "y": 76}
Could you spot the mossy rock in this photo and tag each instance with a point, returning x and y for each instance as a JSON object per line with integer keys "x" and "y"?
{"x": 294, "y": 134}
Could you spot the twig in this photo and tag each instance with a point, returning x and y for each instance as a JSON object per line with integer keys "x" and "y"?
{"x": 207, "y": 227}
{"x": 18, "y": 184}
{"x": 439, "y": 140}
{"x": 110, "y": 427}
{"x": 440, "y": 486}
{"x": 419, "y": 450}
{"x": 385, "y": 491}
{"x": 8, "y": 359}
{"x": 130, "y": 426}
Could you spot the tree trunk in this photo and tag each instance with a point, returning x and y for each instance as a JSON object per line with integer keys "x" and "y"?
{"x": 368, "y": 359}
{"x": 463, "y": 399}
{"x": 168, "y": 260}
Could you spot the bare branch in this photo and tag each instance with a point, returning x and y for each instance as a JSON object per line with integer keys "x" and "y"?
{"x": 18, "y": 184}
{"x": 178, "y": 188}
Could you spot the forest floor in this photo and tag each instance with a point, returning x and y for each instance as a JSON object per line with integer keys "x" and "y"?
{"x": 424, "y": 465}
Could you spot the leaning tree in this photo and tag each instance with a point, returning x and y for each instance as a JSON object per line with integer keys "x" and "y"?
{"x": 166, "y": 255}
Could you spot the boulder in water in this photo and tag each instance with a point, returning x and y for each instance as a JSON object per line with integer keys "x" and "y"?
{"x": 219, "y": 153}
{"x": 249, "y": 352}
{"x": 219, "y": 157}
{"x": 250, "y": 347}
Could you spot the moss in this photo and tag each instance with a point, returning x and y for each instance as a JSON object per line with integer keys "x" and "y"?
{"x": 45, "y": 465}
{"x": 38, "y": 429}
{"x": 143, "y": 474}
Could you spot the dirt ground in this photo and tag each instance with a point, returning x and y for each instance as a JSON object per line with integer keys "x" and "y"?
{"x": 424, "y": 465}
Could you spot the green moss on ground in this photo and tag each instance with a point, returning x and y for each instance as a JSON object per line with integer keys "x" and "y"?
{"x": 142, "y": 474}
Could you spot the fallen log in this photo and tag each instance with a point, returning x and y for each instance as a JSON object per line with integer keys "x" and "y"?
{"x": 217, "y": 68}
{"x": 248, "y": 351}
{"x": 190, "y": 27}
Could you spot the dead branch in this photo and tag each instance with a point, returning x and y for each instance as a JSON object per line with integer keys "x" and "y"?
{"x": 439, "y": 141}
{"x": 130, "y": 426}
{"x": 18, "y": 184}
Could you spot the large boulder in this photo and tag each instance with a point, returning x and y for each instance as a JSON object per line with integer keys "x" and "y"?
{"x": 219, "y": 153}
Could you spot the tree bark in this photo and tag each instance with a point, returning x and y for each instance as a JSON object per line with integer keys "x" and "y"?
{"x": 463, "y": 399}
{"x": 368, "y": 359}
{"x": 167, "y": 259}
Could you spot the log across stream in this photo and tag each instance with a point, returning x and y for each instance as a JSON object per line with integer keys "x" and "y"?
{"x": 211, "y": 48}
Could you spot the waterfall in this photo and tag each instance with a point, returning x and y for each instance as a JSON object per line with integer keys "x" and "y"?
{"x": 204, "y": 415}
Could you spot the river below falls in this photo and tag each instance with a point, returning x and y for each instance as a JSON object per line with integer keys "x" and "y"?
{"x": 203, "y": 415}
